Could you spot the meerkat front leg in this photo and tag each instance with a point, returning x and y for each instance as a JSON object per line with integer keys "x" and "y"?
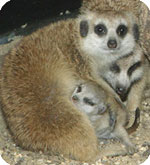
{"x": 119, "y": 131}
{"x": 121, "y": 134}
{"x": 105, "y": 133}
{"x": 135, "y": 95}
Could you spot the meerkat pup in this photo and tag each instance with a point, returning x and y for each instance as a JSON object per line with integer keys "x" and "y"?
{"x": 108, "y": 123}
{"x": 39, "y": 75}
{"x": 127, "y": 76}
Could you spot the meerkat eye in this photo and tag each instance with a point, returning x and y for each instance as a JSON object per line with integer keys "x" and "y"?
{"x": 122, "y": 30}
{"x": 79, "y": 89}
{"x": 100, "y": 29}
{"x": 88, "y": 101}
{"x": 115, "y": 68}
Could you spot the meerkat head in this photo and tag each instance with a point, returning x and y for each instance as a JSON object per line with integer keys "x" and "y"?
{"x": 124, "y": 73}
{"x": 87, "y": 99}
{"x": 108, "y": 34}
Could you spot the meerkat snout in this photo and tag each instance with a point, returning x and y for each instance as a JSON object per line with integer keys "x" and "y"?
{"x": 122, "y": 91}
{"x": 112, "y": 44}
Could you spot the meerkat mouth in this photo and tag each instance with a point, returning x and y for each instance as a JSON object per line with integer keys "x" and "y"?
{"x": 112, "y": 50}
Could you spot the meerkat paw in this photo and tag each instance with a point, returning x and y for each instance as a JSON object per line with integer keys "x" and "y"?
{"x": 131, "y": 149}
{"x": 112, "y": 119}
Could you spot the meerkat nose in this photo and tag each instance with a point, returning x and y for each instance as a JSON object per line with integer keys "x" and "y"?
{"x": 112, "y": 44}
{"x": 122, "y": 92}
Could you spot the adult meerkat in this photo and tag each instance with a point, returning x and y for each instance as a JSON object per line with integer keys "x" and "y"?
{"x": 111, "y": 39}
{"x": 127, "y": 76}
{"x": 39, "y": 75}
{"x": 108, "y": 123}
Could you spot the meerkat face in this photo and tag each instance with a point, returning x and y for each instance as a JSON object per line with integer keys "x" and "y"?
{"x": 109, "y": 35}
{"x": 124, "y": 73}
{"x": 86, "y": 99}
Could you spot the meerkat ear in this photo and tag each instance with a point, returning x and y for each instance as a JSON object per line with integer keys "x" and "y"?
{"x": 84, "y": 28}
{"x": 136, "y": 32}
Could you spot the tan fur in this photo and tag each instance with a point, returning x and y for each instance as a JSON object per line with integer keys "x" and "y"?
{"x": 36, "y": 82}
{"x": 37, "y": 79}
{"x": 144, "y": 21}
{"x": 115, "y": 5}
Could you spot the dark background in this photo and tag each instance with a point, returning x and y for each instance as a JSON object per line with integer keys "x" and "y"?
{"x": 16, "y": 13}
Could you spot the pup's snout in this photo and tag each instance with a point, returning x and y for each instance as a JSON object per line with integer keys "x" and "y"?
{"x": 75, "y": 98}
{"x": 101, "y": 109}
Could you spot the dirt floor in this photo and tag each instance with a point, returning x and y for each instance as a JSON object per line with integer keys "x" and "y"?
{"x": 14, "y": 155}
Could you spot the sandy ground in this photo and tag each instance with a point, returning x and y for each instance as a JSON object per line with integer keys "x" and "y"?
{"x": 14, "y": 155}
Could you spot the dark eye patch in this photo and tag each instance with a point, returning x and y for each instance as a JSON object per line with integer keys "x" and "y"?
{"x": 136, "y": 32}
{"x": 84, "y": 28}
{"x": 134, "y": 67}
{"x": 100, "y": 29}
{"x": 122, "y": 30}
{"x": 88, "y": 101}
{"x": 115, "y": 68}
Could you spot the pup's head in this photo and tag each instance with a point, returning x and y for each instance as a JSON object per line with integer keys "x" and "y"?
{"x": 88, "y": 99}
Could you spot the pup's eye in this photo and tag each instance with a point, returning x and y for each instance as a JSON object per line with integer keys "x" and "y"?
{"x": 88, "y": 101}
{"x": 75, "y": 98}
{"x": 122, "y": 30}
{"x": 100, "y": 29}
{"x": 79, "y": 89}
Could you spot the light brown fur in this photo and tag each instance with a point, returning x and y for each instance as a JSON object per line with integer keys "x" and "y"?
{"x": 37, "y": 79}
